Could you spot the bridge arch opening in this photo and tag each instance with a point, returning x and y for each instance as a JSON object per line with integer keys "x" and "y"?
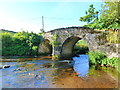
{"x": 81, "y": 47}
{"x": 45, "y": 47}
{"x": 70, "y": 48}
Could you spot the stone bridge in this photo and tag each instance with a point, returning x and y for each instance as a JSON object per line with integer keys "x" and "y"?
{"x": 60, "y": 42}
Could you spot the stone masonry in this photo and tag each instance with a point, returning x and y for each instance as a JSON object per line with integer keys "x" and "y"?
{"x": 67, "y": 37}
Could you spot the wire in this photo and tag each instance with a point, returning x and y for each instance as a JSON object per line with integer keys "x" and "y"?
{"x": 54, "y": 18}
{"x": 57, "y": 18}
{"x": 30, "y": 19}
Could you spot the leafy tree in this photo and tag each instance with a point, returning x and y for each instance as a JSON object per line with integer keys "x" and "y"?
{"x": 91, "y": 15}
{"x": 109, "y": 17}
{"x": 21, "y": 44}
{"x": 6, "y": 43}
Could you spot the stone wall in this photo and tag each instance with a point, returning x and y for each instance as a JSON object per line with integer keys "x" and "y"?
{"x": 67, "y": 37}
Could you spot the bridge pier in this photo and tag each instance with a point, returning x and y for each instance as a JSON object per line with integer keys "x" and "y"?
{"x": 56, "y": 52}
{"x": 45, "y": 47}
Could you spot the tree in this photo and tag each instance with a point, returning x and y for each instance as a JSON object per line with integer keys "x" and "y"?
{"x": 91, "y": 15}
{"x": 6, "y": 43}
{"x": 109, "y": 17}
{"x": 21, "y": 44}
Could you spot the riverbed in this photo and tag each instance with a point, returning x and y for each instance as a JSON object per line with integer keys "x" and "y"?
{"x": 46, "y": 73}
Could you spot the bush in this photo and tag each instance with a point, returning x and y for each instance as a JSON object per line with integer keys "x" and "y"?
{"x": 96, "y": 57}
{"x": 104, "y": 61}
{"x": 113, "y": 62}
{"x": 20, "y": 44}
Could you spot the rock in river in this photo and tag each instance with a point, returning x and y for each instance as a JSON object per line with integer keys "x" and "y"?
{"x": 6, "y": 66}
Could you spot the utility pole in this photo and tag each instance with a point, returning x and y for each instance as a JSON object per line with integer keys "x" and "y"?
{"x": 42, "y": 23}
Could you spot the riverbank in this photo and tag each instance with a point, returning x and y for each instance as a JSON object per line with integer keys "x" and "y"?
{"x": 19, "y": 59}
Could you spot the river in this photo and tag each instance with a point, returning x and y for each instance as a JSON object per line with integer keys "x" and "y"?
{"x": 46, "y": 73}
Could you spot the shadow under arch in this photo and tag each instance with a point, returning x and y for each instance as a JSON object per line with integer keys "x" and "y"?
{"x": 45, "y": 47}
{"x": 67, "y": 47}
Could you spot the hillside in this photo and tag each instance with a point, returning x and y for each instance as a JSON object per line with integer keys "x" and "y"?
{"x": 3, "y": 30}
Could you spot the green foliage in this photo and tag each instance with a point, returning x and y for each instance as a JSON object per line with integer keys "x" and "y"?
{"x": 54, "y": 41}
{"x": 6, "y": 43}
{"x": 81, "y": 43}
{"x": 98, "y": 58}
{"x": 35, "y": 50}
{"x": 113, "y": 37}
{"x": 20, "y": 44}
{"x": 91, "y": 15}
{"x": 81, "y": 47}
{"x": 108, "y": 18}
{"x": 55, "y": 57}
{"x": 113, "y": 62}
{"x": 8, "y": 31}
{"x": 80, "y": 50}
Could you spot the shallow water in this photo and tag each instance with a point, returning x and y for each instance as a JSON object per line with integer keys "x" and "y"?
{"x": 57, "y": 74}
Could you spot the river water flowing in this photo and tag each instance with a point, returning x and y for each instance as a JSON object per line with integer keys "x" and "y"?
{"x": 47, "y": 73}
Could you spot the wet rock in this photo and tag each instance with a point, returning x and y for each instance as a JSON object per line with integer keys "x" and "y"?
{"x": 31, "y": 74}
{"x": 6, "y": 66}
{"x": 37, "y": 76}
{"x": 68, "y": 61}
{"x": 18, "y": 69}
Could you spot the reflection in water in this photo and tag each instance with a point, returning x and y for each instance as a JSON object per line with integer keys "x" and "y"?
{"x": 81, "y": 65}
{"x": 55, "y": 74}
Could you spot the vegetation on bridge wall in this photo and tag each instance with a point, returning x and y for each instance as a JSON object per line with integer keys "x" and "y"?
{"x": 110, "y": 36}
{"x": 54, "y": 44}
{"x": 113, "y": 37}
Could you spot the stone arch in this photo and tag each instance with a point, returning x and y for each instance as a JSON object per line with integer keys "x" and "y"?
{"x": 45, "y": 47}
{"x": 67, "y": 47}
{"x": 91, "y": 36}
